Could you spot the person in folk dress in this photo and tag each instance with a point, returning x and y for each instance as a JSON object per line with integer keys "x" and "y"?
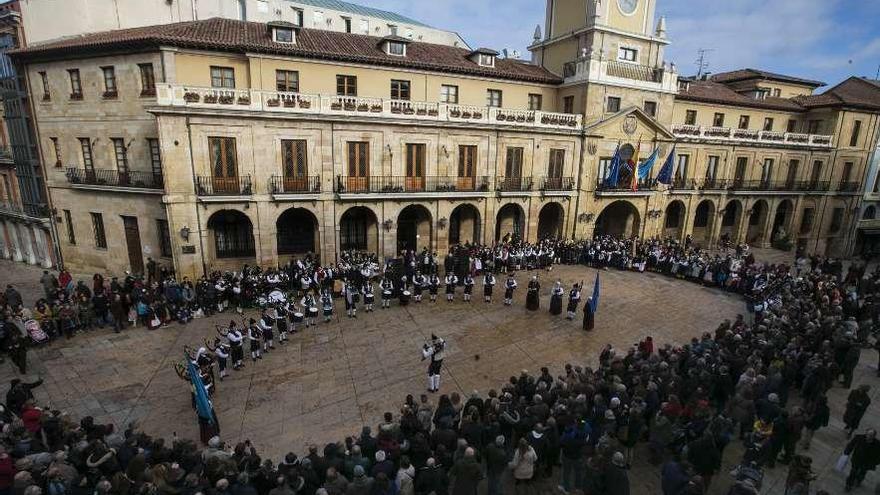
{"x": 509, "y": 286}
{"x": 468, "y": 287}
{"x": 556, "y": 298}
{"x": 488, "y": 286}
{"x": 533, "y": 296}
{"x": 387, "y": 291}
{"x": 327, "y": 305}
{"x": 574, "y": 298}
{"x": 433, "y": 286}
{"x": 451, "y": 281}
{"x": 369, "y": 296}
{"x": 419, "y": 282}
{"x": 255, "y": 335}
{"x": 350, "y": 293}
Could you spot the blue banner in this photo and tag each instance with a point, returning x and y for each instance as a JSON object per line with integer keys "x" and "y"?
{"x": 594, "y": 304}
{"x": 203, "y": 404}
{"x": 647, "y": 165}
{"x": 665, "y": 175}
{"x": 614, "y": 169}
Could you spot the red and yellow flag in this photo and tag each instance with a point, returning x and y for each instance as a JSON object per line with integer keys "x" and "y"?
{"x": 635, "y": 167}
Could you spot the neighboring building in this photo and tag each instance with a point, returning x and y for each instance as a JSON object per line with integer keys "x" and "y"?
{"x": 866, "y": 238}
{"x": 46, "y": 20}
{"x": 25, "y": 223}
{"x": 222, "y": 142}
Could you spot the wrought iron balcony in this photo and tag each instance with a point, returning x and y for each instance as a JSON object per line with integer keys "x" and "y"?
{"x": 683, "y": 184}
{"x": 114, "y": 178}
{"x": 207, "y": 185}
{"x": 643, "y": 185}
{"x": 557, "y": 184}
{"x": 306, "y": 184}
{"x": 713, "y": 184}
{"x": 848, "y": 186}
{"x": 514, "y": 184}
{"x": 409, "y": 185}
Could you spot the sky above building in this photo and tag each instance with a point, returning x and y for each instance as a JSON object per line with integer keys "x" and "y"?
{"x": 828, "y": 40}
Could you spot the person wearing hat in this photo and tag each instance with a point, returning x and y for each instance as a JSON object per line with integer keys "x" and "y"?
{"x": 435, "y": 350}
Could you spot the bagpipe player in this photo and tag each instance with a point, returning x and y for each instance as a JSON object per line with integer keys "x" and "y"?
{"x": 434, "y": 349}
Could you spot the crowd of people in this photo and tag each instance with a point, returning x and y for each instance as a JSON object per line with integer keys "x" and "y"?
{"x": 761, "y": 380}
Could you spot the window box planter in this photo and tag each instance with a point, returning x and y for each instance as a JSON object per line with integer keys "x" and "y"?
{"x": 289, "y": 103}
{"x": 226, "y": 99}
{"x": 478, "y": 115}
{"x": 273, "y": 102}
{"x": 190, "y": 97}
{"x": 363, "y": 107}
{"x": 376, "y": 108}
{"x": 455, "y": 113}
{"x": 465, "y": 115}
{"x": 520, "y": 118}
{"x": 421, "y": 111}
{"x": 499, "y": 117}
{"x": 336, "y": 106}
{"x": 396, "y": 110}
{"x": 303, "y": 104}
{"x": 408, "y": 111}
{"x": 433, "y": 113}
{"x": 511, "y": 118}
{"x": 210, "y": 99}
{"x": 350, "y": 107}
{"x": 244, "y": 100}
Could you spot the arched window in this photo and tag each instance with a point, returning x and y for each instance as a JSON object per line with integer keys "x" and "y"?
{"x": 870, "y": 213}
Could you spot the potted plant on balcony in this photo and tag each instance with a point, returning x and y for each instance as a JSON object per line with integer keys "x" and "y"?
{"x": 363, "y": 107}
{"x": 336, "y": 105}
{"x": 499, "y": 117}
{"x": 191, "y": 97}
{"x": 244, "y": 100}
{"x": 349, "y": 106}
{"x": 478, "y": 115}
{"x": 511, "y": 118}
{"x": 210, "y": 99}
{"x": 395, "y": 109}
{"x": 520, "y": 118}
{"x": 465, "y": 115}
{"x": 545, "y": 120}
{"x": 376, "y": 108}
{"x": 408, "y": 110}
{"x": 273, "y": 102}
{"x": 421, "y": 111}
{"x": 304, "y": 103}
{"x": 432, "y": 112}
{"x": 456, "y": 113}
{"x": 226, "y": 99}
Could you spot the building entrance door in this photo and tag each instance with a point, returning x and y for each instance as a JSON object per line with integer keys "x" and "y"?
{"x": 133, "y": 243}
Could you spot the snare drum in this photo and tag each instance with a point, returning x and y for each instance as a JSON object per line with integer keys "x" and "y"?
{"x": 313, "y": 312}
{"x": 404, "y": 297}
{"x": 386, "y": 294}
{"x": 298, "y": 317}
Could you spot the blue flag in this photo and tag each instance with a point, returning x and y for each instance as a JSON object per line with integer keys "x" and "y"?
{"x": 614, "y": 169}
{"x": 203, "y": 404}
{"x": 594, "y": 304}
{"x": 665, "y": 175}
{"x": 647, "y": 165}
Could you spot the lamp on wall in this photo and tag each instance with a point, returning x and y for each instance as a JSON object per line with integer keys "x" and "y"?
{"x": 388, "y": 149}
{"x": 445, "y": 151}
{"x": 388, "y": 224}
{"x": 184, "y": 233}
{"x": 585, "y": 217}
{"x": 442, "y": 223}
{"x": 655, "y": 213}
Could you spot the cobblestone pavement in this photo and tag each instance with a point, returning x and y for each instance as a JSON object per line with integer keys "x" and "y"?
{"x": 329, "y": 381}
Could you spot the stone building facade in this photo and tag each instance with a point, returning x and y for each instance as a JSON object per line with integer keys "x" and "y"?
{"x": 215, "y": 143}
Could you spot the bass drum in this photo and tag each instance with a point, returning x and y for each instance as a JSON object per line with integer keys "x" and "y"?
{"x": 276, "y": 296}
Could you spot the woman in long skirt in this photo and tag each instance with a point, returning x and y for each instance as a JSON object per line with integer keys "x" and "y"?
{"x": 556, "y": 298}
{"x": 533, "y": 301}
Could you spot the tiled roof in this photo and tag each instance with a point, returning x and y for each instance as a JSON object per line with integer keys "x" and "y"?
{"x": 744, "y": 74}
{"x": 854, "y": 92}
{"x": 717, "y": 93}
{"x": 251, "y": 37}
{"x": 354, "y": 8}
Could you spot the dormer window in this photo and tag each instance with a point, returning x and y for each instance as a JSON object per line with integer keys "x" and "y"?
{"x": 487, "y": 60}
{"x": 395, "y": 45}
{"x": 282, "y": 32}
{"x": 484, "y": 57}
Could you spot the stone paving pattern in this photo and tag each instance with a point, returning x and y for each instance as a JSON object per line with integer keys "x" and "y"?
{"x": 331, "y": 380}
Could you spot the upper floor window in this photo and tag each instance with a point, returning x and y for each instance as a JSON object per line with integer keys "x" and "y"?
{"x": 651, "y": 108}
{"x": 222, "y": 77}
{"x": 535, "y": 101}
{"x": 397, "y": 48}
{"x": 298, "y": 17}
{"x": 164, "y": 238}
{"x": 392, "y": 30}
{"x": 568, "y": 104}
{"x": 743, "y": 121}
{"x": 155, "y": 157}
{"x": 148, "y": 80}
{"x": 493, "y": 97}
{"x": 346, "y": 24}
{"x": 110, "y": 90}
{"x": 814, "y": 126}
{"x": 56, "y": 147}
{"x": 75, "y": 84}
{"x": 777, "y": 92}
{"x": 45, "y": 79}
{"x": 346, "y": 85}
{"x": 399, "y": 89}
{"x": 791, "y": 126}
{"x": 854, "y": 137}
{"x": 718, "y": 120}
{"x": 690, "y": 117}
{"x": 287, "y": 80}
{"x": 613, "y": 104}
{"x": 768, "y": 123}
{"x": 283, "y": 34}
{"x": 85, "y": 145}
{"x": 68, "y": 223}
{"x": 98, "y": 230}
{"x": 487, "y": 60}
{"x": 627, "y": 54}
{"x": 318, "y": 19}
{"x": 448, "y": 93}
{"x": 121, "y": 153}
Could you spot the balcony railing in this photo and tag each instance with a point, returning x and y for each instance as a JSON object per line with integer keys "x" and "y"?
{"x": 643, "y": 184}
{"x": 409, "y": 185}
{"x": 114, "y": 178}
{"x": 712, "y": 184}
{"x": 366, "y": 107}
{"x": 751, "y": 136}
{"x": 224, "y": 186}
{"x": 848, "y": 186}
{"x": 683, "y": 184}
{"x": 306, "y": 184}
{"x": 514, "y": 184}
{"x": 599, "y": 70}
{"x": 557, "y": 184}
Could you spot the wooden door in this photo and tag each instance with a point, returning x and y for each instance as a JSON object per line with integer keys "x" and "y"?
{"x": 133, "y": 243}
{"x": 554, "y": 169}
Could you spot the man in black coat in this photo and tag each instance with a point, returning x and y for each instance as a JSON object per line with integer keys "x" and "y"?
{"x": 496, "y": 463}
{"x": 864, "y": 452}
{"x": 431, "y": 479}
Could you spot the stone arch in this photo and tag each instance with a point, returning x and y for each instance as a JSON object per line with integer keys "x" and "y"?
{"x": 782, "y": 220}
{"x": 757, "y": 222}
{"x": 510, "y": 221}
{"x": 704, "y": 222}
{"x": 673, "y": 219}
{"x": 620, "y": 218}
{"x": 296, "y": 232}
{"x": 551, "y": 220}
{"x": 731, "y": 220}
{"x": 359, "y": 230}
{"x": 231, "y": 235}
{"x": 414, "y": 229}
{"x": 464, "y": 225}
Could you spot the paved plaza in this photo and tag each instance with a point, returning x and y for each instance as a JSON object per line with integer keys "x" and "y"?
{"x": 330, "y": 380}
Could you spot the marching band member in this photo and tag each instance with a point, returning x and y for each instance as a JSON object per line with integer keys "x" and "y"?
{"x": 310, "y": 307}
{"x": 255, "y": 335}
{"x": 419, "y": 282}
{"x": 236, "y": 350}
{"x": 509, "y": 287}
{"x": 468, "y": 287}
{"x": 296, "y": 317}
{"x": 281, "y": 313}
{"x": 305, "y": 283}
{"x": 574, "y": 298}
{"x": 556, "y": 298}
{"x": 265, "y": 323}
{"x": 387, "y": 287}
{"x": 433, "y": 286}
{"x": 369, "y": 297}
{"x": 435, "y": 350}
{"x": 350, "y": 294}
{"x": 220, "y": 350}
{"x": 327, "y": 305}
{"x": 451, "y": 281}
{"x": 488, "y": 286}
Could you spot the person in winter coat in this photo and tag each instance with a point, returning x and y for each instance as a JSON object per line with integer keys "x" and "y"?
{"x": 405, "y": 477}
{"x": 466, "y": 474}
{"x": 616, "y": 477}
{"x": 361, "y": 484}
{"x": 7, "y": 474}
{"x": 673, "y": 477}
{"x": 856, "y": 404}
{"x": 705, "y": 457}
{"x": 431, "y": 479}
{"x": 523, "y": 466}
{"x": 818, "y": 415}
{"x": 864, "y": 452}
{"x": 496, "y": 463}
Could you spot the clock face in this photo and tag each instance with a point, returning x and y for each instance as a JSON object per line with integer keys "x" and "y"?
{"x": 627, "y": 6}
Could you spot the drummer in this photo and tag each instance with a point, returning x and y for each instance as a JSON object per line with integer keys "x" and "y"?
{"x": 387, "y": 291}
{"x": 310, "y": 307}
{"x": 236, "y": 351}
{"x": 451, "y": 281}
{"x": 433, "y": 286}
{"x": 369, "y": 296}
{"x": 488, "y": 286}
{"x": 281, "y": 313}
{"x": 351, "y": 296}
{"x": 468, "y": 287}
{"x": 296, "y": 318}
{"x": 327, "y": 305}
{"x": 419, "y": 282}
{"x": 266, "y": 321}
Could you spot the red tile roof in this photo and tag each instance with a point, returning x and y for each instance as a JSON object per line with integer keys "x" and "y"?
{"x": 242, "y": 37}
{"x": 717, "y": 93}
{"x": 746, "y": 74}
{"x": 854, "y": 92}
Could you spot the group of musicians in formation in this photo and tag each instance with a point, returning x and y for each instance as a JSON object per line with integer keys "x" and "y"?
{"x": 282, "y": 317}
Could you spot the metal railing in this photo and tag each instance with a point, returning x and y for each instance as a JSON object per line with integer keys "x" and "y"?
{"x": 514, "y": 184}
{"x": 848, "y": 186}
{"x": 749, "y": 135}
{"x": 557, "y": 184}
{"x": 643, "y": 184}
{"x": 207, "y": 185}
{"x": 409, "y": 184}
{"x": 114, "y": 178}
{"x": 306, "y": 184}
{"x": 683, "y": 184}
{"x": 713, "y": 184}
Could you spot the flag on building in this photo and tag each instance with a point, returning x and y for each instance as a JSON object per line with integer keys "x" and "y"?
{"x": 594, "y": 303}
{"x": 635, "y": 167}
{"x": 665, "y": 174}
{"x": 613, "y": 169}
{"x": 647, "y": 165}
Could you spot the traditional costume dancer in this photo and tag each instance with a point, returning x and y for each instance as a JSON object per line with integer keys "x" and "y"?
{"x": 488, "y": 286}
{"x": 435, "y": 350}
{"x": 387, "y": 287}
{"x": 574, "y": 298}
{"x": 281, "y": 313}
{"x": 433, "y": 286}
{"x": 255, "y": 335}
{"x": 419, "y": 282}
{"x": 327, "y": 305}
{"x": 266, "y": 322}
{"x": 509, "y": 286}
{"x": 310, "y": 308}
{"x": 556, "y": 298}
{"x": 236, "y": 348}
{"x": 351, "y": 296}
{"x": 369, "y": 297}
{"x": 451, "y": 281}
{"x": 468, "y": 287}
